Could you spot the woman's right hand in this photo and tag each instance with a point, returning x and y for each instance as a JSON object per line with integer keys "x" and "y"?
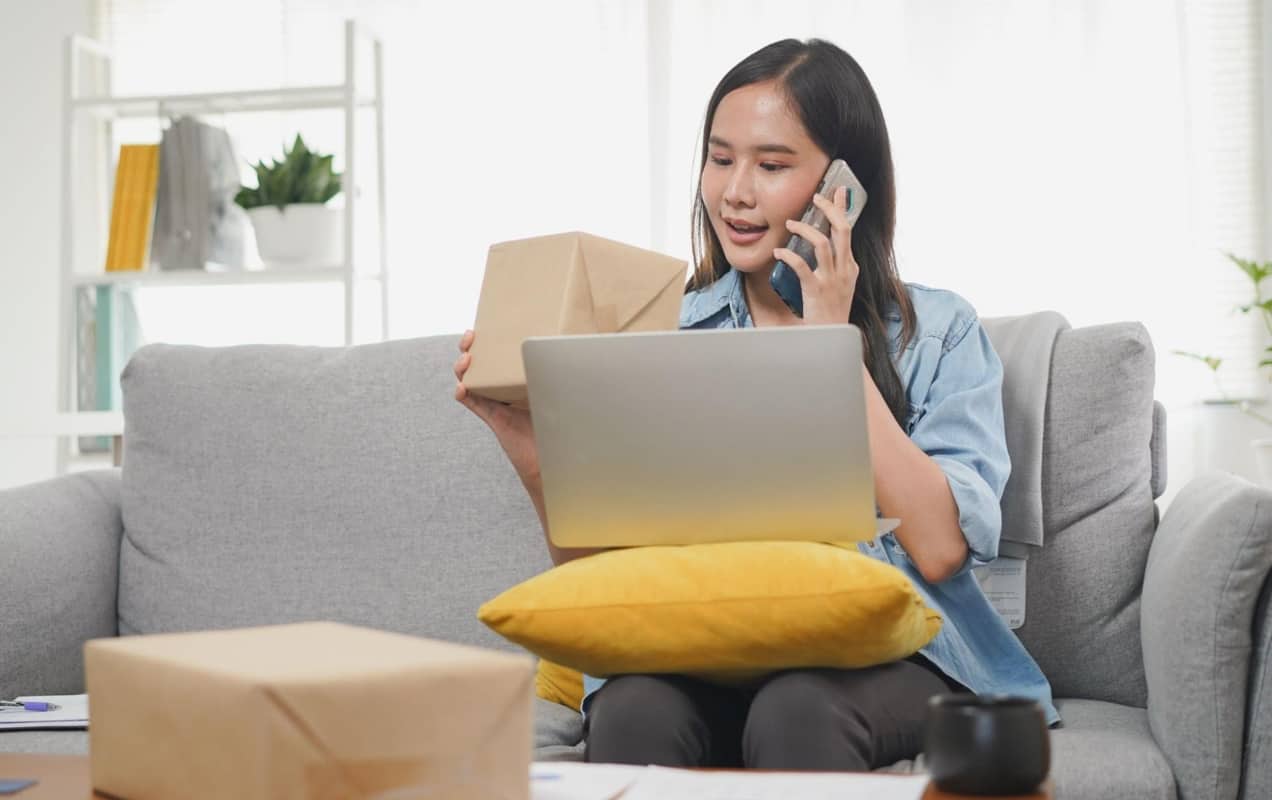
{"x": 511, "y": 426}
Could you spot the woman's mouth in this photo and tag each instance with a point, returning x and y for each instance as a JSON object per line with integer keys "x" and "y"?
{"x": 743, "y": 233}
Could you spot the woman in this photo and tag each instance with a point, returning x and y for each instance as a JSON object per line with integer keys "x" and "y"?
{"x": 934, "y": 408}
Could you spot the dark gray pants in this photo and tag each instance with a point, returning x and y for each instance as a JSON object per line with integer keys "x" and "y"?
{"x": 803, "y": 719}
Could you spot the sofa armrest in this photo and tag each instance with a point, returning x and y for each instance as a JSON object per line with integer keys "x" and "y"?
{"x": 60, "y": 544}
{"x": 1256, "y": 777}
{"x": 1207, "y": 564}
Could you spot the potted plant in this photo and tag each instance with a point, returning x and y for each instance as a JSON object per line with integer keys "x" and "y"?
{"x": 1262, "y": 306}
{"x": 294, "y": 226}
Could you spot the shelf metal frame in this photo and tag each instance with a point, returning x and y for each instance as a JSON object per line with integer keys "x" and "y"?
{"x": 79, "y": 102}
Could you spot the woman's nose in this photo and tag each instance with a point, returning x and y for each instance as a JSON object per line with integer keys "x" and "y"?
{"x": 738, "y": 191}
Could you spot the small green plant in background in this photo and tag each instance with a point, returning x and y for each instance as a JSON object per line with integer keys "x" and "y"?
{"x": 1260, "y": 305}
{"x": 303, "y": 176}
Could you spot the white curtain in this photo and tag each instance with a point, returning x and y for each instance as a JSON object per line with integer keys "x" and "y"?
{"x": 1091, "y": 157}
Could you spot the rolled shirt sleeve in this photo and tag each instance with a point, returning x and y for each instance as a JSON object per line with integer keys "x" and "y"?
{"x": 960, "y": 426}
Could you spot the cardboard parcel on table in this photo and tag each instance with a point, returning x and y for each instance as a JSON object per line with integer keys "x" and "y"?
{"x": 310, "y": 710}
{"x": 569, "y": 283}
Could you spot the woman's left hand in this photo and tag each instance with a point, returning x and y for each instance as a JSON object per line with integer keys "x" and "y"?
{"x": 829, "y": 290}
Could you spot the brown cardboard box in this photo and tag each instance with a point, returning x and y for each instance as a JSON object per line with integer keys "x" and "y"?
{"x": 312, "y": 710}
{"x": 570, "y": 283}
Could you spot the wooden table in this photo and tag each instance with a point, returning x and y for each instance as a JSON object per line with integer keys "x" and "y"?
{"x": 932, "y": 793}
{"x": 66, "y": 778}
{"x": 59, "y": 777}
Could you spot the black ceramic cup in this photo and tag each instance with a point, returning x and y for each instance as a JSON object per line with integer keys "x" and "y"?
{"x": 987, "y": 744}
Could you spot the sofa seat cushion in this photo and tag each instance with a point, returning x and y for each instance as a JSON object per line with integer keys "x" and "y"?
{"x": 1106, "y": 750}
{"x": 558, "y": 732}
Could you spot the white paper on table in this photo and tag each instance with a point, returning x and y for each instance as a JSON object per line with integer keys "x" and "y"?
{"x": 72, "y": 713}
{"x": 663, "y": 783}
{"x": 572, "y": 780}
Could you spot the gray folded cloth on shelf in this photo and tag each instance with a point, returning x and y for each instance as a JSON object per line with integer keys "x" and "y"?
{"x": 196, "y": 219}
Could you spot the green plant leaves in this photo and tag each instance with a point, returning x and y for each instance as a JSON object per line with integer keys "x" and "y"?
{"x": 1266, "y": 305}
{"x": 1256, "y": 272}
{"x": 303, "y": 176}
{"x": 1209, "y": 361}
{"x": 1253, "y": 269}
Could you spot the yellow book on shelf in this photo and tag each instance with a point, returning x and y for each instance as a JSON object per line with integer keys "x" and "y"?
{"x": 132, "y": 212}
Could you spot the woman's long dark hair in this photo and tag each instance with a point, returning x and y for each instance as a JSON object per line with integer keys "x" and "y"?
{"x": 841, "y": 113}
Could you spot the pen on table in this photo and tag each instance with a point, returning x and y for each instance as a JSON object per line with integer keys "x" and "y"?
{"x": 28, "y": 705}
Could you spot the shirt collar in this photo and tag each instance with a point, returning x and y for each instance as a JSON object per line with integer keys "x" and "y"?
{"x": 727, "y": 291}
{"x": 724, "y": 292}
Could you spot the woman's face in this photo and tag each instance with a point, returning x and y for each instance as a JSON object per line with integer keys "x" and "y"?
{"x": 761, "y": 170}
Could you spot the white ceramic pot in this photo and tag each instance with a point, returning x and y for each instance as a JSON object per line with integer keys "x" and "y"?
{"x": 303, "y": 235}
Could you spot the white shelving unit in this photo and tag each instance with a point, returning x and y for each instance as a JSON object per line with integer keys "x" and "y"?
{"x": 361, "y": 91}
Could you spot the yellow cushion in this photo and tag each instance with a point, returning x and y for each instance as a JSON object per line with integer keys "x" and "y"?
{"x": 728, "y": 612}
{"x": 559, "y": 684}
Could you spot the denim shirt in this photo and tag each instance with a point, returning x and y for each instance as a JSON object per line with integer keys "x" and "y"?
{"x": 953, "y": 381}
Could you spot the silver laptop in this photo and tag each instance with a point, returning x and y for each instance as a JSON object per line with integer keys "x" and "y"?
{"x": 681, "y": 437}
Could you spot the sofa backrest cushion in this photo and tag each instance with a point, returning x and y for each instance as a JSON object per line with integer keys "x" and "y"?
{"x": 268, "y": 484}
{"x": 1082, "y": 619}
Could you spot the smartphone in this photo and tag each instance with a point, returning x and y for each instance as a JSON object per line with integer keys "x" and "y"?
{"x": 783, "y": 279}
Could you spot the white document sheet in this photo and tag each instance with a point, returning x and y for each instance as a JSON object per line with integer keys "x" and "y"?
{"x": 571, "y": 780}
{"x": 662, "y": 783}
{"x": 556, "y": 780}
{"x": 73, "y": 713}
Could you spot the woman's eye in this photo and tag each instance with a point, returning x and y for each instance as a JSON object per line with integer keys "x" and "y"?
{"x": 721, "y": 161}
{"x": 771, "y": 167}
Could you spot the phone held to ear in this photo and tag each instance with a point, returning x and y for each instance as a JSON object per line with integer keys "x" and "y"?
{"x": 783, "y": 279}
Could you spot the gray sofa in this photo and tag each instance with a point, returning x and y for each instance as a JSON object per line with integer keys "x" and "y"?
{"x": 269, "y": 484}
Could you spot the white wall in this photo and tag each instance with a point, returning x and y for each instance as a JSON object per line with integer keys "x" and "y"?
{"x": 1265, "y": 70}
{"x": 31, "y": 36}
